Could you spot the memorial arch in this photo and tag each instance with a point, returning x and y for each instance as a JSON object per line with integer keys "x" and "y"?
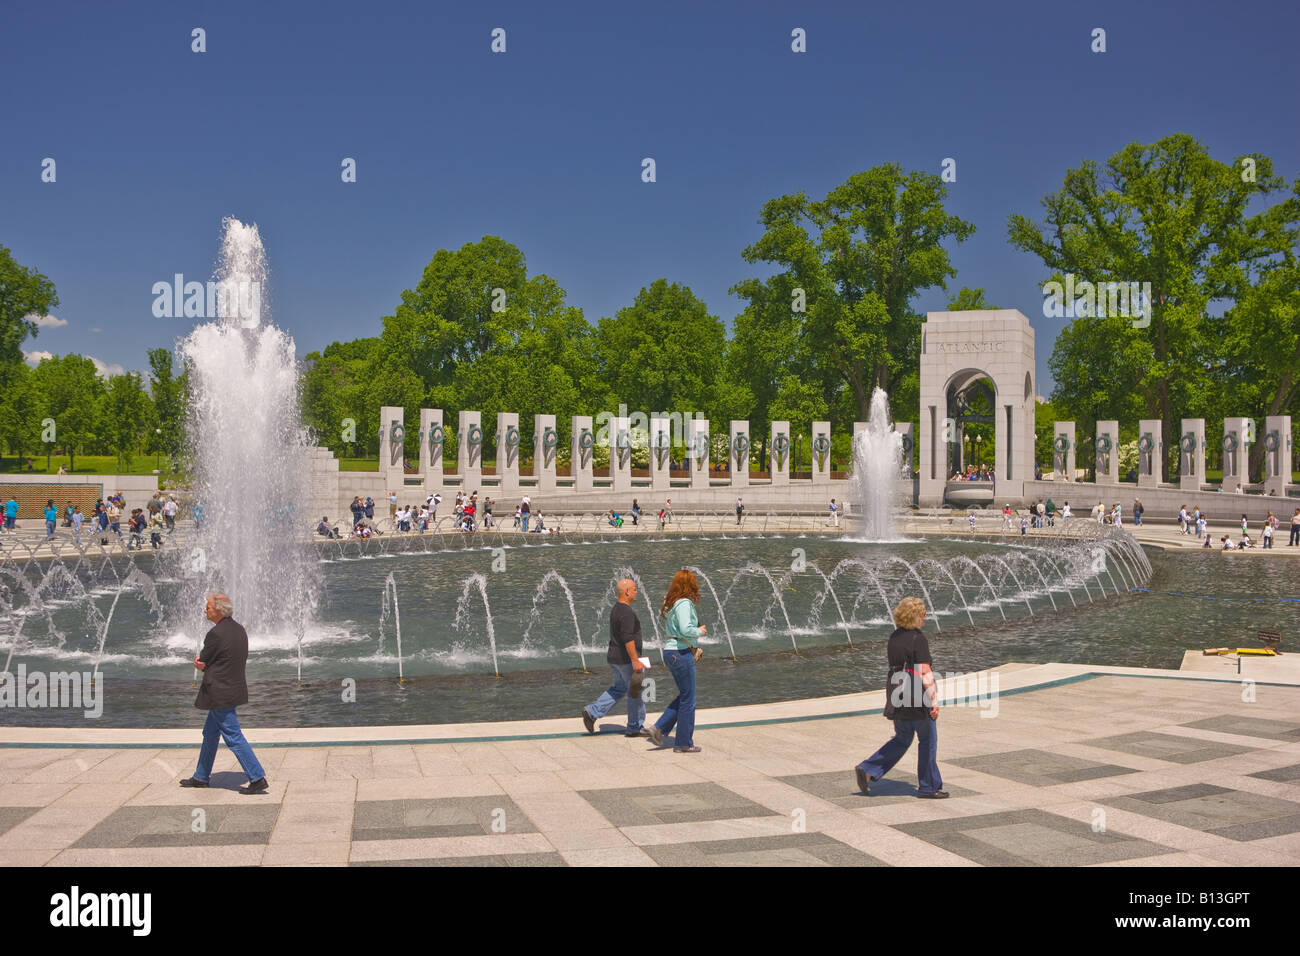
{"x": 976, "y": 367}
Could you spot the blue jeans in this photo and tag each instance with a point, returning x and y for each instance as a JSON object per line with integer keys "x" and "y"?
{"x": 681, "y": 712}
{"x": 927, "y": 766}
{"x": 525, "y": 520}
{"x": 635, "y": 706}
{"x": 224, "y": 724}
{"x": 9, "y": 521}
{"x": 49, "y": 529}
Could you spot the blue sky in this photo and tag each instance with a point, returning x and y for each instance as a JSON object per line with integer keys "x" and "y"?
{"x": 542, "y": 145}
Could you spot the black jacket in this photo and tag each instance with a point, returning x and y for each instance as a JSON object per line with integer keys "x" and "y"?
{"x": 225, "y": 652}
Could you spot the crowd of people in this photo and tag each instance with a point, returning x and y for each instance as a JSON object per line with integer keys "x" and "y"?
{"x": 157, "y": 518}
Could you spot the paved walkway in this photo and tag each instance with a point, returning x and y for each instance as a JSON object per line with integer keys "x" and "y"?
{"x": 1074, "y": 766}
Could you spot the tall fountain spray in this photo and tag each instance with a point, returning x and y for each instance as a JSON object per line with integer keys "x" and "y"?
{"x": 877, "y": 466}
{"x": 251, "y": 454}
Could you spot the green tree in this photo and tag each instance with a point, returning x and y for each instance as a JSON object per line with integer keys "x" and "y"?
{"x": 23, "y": 292}
{"x": 860, "y": 257}
{"x": 22, "y": 409}
{"x": 168, "y": 393}
{"x": 128, "y": 418}
{"x": 1170, "y": 215}
{"x": 968, "y": 299}
{"x": 1261, "y": 347}
{"x": 73, "y": 393}
{"x": 665, "y": 352}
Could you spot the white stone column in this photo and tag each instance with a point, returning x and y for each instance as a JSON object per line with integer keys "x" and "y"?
{"x": 1277, "y": 456}
{"x": 779, "y": 449}
{"x": 1107, "y": 463}
{"x": 1191, "y": 455}
{"x": 738, "y": 449}
{"x": 1063, "y": 459}
{"x": 469, "y": 451}
{"x": 432, "y": 438}
{"x": 661, "y": 452}
{"x": 620, "y": 454}
{"x": 546, "y": 445}
{"x": 821, "y": 460}
{"x": 392, "y": 436}
{"x": 1151, "y": 449}
{"x": 698, "y": 452}
{"x": 509, "y": 441}
{"x": 582, "y": 447}
{"x": 1237, "y": 436}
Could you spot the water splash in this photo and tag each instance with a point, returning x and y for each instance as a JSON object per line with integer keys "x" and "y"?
{"x": 877, "y": 458}
{"x": 251, "y": 454}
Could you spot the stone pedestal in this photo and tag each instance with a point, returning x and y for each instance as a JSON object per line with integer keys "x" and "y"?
{"x": 620, "y": 453}
{"x": 546, "y": 447}
{"x": 1191, "y": 455}
{"x": 1064, "y": 450}
{"x": 821, "y": 453}
{"x": 432, "y": 440}
{"x": 582, "y": 448}
{"x": 1238, "y": 435}
{"x": 392, "y": 440}
{"x": 508, "y": 441}
{"x": 469, "y": 451}
{"x": 697, "y": 452}
{"x": 738, "y": 454}
{"x": 1106, "y": 462}
{"x": 1277, "y": 455}
{"x": 1151, "y": 450}
{"x": 661, "y": 452}
{"x": 779, "y": 449}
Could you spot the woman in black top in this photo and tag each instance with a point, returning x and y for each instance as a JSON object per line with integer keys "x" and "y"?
{"x": 912, "y": 702}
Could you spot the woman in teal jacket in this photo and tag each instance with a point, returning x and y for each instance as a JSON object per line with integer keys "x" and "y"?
{"x": 684, "y": 632}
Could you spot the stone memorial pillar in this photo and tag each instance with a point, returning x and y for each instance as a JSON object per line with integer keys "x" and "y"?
{"x": 1151, "y": 450}
{"x": 698, "y": 453}
{"x": 469, "y": 451}
{"x": 1191, "y": 455}
{"x": 1277, "y": 457}
{"x": 908, "y": 431}
{"x": 392, "y": 439}
{"x": 582, "y": 447}
{"x": 509, "y": 441}
{"x": 1107, "y": 452}
{"x": 432, "y": 438}
{"x": 546, "y": 447}
{"x": 1064, "y": 450}
{"x": 821, "y": 453}
{"x": 1238, "y": 436}
{"x": 661, "y": 452}
{"x": 738, "y": 454}
{"x": 779, "y": 450}
{"x": 620, "y": 454}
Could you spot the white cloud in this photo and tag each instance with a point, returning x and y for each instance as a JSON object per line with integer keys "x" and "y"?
{"x": 96, "y": 330}
{"x": 47, "y": 321}
{"x": 104, "y": 370}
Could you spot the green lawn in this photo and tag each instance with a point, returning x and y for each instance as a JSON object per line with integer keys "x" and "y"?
{"x": 86, "y": 465}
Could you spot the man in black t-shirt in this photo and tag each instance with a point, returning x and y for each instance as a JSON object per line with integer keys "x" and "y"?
{"x": 624, "y": 659}
{"x": 912, "y": 702}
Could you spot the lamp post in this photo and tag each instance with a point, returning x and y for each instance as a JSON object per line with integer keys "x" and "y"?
{"x": 979, "y": 448}
{"x": 157, "y": 462}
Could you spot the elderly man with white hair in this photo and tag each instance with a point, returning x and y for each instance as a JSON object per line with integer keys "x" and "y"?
{"x": 223, "y": 660}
